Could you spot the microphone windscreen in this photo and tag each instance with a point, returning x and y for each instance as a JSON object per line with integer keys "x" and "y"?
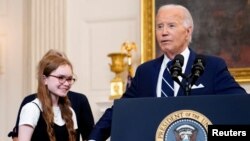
{"x": 179, "y": 58}
{"x": 200, "y": 59}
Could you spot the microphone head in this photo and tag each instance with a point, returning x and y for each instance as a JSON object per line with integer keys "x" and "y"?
{"x": 200, "y": 59}
{"x": 197, "y": 69}
{"x": 178, "y": 59}
{"x": 199, "y": 65}
{"x": 176, "y": 68}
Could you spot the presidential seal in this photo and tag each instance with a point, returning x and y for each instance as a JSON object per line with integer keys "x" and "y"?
{"x": 183, "y": 125}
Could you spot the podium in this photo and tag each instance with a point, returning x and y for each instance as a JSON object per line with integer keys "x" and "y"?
{"x": 160, "y": 119}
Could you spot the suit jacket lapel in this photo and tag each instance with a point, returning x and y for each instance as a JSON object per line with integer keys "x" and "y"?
{"x": 156, "y": 71}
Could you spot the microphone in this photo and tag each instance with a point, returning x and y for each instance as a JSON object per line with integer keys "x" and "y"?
{"x": 176, "y": 68}
{"x": 197, "y": 68}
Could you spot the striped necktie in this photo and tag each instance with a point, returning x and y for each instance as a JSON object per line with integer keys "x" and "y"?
{"x": 167, "y": 87}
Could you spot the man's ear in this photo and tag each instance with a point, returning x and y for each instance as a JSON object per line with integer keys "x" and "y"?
{"x": 189, "y": 33}
{"x": 190, "y": 30}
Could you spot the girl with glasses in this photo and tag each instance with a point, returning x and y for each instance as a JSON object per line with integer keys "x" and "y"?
{"x": 50, "y": 117}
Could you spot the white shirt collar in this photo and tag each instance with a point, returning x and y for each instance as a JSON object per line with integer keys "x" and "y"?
{"x": 185, "y": 54}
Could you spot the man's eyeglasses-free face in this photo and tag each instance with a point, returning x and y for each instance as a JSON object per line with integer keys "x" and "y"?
{"x": 62, "y": 79}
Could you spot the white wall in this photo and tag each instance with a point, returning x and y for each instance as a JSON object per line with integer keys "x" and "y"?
{"x": 11, "y": 59}
{"x": 95, "y": 29}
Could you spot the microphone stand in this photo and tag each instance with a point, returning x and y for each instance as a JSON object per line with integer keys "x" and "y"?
{"x": 187, "y": 86}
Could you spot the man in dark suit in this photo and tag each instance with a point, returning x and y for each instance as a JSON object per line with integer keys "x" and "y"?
{"x": 80, "y": 105}
{"x": 174, "y": 27}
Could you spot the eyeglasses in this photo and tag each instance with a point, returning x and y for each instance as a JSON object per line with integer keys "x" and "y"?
{"x": 62, "y": 79}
